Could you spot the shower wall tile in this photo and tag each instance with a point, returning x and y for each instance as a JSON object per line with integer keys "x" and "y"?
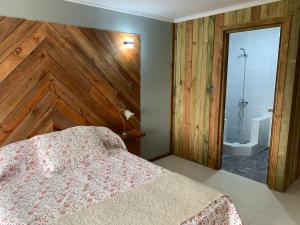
{"x": 271, "y": 73}
{"x": 233, "y": 121}
{"x": 257, "y": 99}
{"x": 236, "y": 74}
{"x": 257, "y": 47}
{"x": 236, "y": 63}
{"x": 257, "y": 60}
{"x": 232, "y": 133}
{"x": 256, "y": 74}
{"x": 252, "y": 112}
{"x": 255, "y": 88}
{"x": 233, "y": 98}
{"x": 273, "y": 58}
{"x": 262, "y": 47}
{"x": 245, "y": 133}
{"x": 232, "y": 113}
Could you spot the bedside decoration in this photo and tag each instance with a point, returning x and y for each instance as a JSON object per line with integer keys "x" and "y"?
{"x": 128, "y": 115}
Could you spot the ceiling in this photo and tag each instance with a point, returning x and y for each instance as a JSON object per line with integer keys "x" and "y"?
{"x": 172, "y": 10}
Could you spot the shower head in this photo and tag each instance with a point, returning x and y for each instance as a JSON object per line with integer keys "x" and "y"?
{"x": 244, "y": 51}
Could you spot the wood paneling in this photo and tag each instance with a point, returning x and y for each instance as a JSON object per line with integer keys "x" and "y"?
{"x": 293, "y": 166}
{"x": 196, "y": 112}
{"x": 193, "y": 60}
{"x": 217, "y": 109}
{"x": 54, "y": 76}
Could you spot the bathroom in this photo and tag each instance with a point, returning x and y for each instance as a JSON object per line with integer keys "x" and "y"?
{"x": 251, "y": 83}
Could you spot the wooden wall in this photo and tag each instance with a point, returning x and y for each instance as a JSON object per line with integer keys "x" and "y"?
{"x": 194, "y": 61}
{"x": 293, "y": 159}
{"x": 297, "y": 115}
{"x": 53, "y": 77}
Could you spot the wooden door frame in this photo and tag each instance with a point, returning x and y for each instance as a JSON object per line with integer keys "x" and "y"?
{"x": 219, "y": 79}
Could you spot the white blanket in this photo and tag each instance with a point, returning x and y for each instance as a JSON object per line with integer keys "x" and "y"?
{"x": 171, "y": 199}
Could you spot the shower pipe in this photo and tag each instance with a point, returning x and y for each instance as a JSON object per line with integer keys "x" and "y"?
{"x": 242, "y": 102}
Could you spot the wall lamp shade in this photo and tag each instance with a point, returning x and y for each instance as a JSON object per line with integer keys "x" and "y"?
{"x": 129, "y": 43}
{"x": 128, "y": 115}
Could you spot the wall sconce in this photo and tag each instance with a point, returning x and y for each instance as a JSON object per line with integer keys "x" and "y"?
{"x": 129, "y": 43}
{"x": 128, "y": 115}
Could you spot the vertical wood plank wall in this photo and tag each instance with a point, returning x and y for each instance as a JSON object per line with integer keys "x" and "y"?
{"x": 54, "y": 76}
{"x": 296, "y": 132}
{"x": 193, "y": 62}
{"x": 293, "y": 170}
{"x": 193, "y": 66}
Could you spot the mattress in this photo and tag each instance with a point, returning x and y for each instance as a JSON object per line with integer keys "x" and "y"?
{"x": 84, "y": 175}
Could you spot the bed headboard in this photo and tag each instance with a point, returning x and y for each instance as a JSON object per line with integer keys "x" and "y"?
{"x": 53, "y": 77}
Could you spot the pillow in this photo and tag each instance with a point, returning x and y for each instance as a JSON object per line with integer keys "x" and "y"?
{"x": 78, "y": 146}
{"x": 13, "y": 161}
{"x": 109, "y": 139}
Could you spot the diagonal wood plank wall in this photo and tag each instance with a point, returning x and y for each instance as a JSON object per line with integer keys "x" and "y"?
{"x": 194, "y": 59}
{"x": 53, "y": 77}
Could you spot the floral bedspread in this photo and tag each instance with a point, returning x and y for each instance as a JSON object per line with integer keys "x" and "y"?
{"x": 48, "y": 176}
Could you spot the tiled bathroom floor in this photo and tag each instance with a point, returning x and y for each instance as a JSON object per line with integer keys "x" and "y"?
{"x": 253, "y": 167}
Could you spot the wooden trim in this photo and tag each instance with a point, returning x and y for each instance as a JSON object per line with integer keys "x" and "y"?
{"x": 223, "y": 93}
{"x": 160, "y": 157}
{"x": 219, "y": 81}
{"x": 267, "y": 23}
{"x": 172, "y": 88}
{"x": 278, "y": 104}
{"x": 292, "y": 170}
{"x": 297, "y": 101}
{"x": 213, "y": 142}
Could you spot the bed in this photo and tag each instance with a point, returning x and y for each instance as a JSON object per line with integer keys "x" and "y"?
{"x": 84, "y": 175}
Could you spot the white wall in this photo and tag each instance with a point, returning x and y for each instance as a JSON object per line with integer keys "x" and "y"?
{"x": 155, "y": 56}
{"x": 262, "y": 47}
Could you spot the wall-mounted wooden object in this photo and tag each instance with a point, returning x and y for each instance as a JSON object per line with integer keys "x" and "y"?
{"x": 55, "y": 76}
{"x": 132, "y": 139}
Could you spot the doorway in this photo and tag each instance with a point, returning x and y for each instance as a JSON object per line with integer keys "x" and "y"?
{"x": 252, "y": 63}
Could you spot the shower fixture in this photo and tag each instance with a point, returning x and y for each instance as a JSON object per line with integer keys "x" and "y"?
{"x": 244, "y": 51}
{"x": 243, "y": 103}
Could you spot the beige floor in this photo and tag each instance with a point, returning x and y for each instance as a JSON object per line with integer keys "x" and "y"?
{"x": 257, "y": 205}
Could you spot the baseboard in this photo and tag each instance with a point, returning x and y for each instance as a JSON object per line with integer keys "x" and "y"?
{"x": 160, "y": 157}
